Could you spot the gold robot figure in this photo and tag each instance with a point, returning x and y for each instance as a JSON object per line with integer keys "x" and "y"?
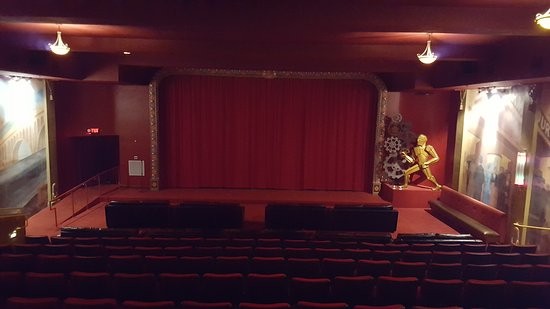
{"x": 423, "y": 156}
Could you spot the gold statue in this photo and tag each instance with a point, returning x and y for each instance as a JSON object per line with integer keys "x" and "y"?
{"x": 423, "y": 156}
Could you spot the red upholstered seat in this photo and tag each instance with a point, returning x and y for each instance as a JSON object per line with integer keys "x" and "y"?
{"x": 58, "y": 263}
{"x": 441, "y": 293}
{"x": 223, "y": 287}
{"x": 315, "y": 305}
{"x": 485, "y": 293}
{"x": 353, "y": 289}
{"x": 331, "y": 267}
{"x": 248, "y": 305}
{"x": 196, "y": 264}
{"x": 481, "y": 272}
{"x": 268, "y": 265}
{"x": 90, "y": 284}
{"x": 267, "y": 288}
{"x": 310, "y": 268}
{"x": 396, "y": 290}
{"x": 134, "y": 304}
{"x": 525, "y": 294}
{"x": 309, "y": 289}
{"x": 444, "y": 271}
{"x": 140, "y": 286}
{"x": 416, "y": 256}
{"x": 45, "y": 285}
{"x": 131, "y": 264}
{"x": 161, "y": 264}
{"x": 32, "y": 303}
{"x": 179, "y": 287}
{"x": 189, "y": 304}
{"x": 374, "y": 268}
{"x": 232, "y": 264}
{"x": 89, "y": 303}
{"x": 409, "y": 269}
{"x": 446, "y": 257}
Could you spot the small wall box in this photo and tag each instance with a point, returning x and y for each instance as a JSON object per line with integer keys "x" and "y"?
{"x": 136, "y": 168}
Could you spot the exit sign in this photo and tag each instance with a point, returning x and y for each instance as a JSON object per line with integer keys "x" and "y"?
{"x": 92, "y": 131}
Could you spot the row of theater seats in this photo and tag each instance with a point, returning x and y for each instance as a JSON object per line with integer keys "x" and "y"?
{"x": 248, "y": 252}
{"x": 373, "y": 218}
{"x": 235, "y": 288}
{"x": 163, "y": 215}
{"x": 292, "y": 267}
{"x": 251, "y": 241}
{"x": 110, "y": 303}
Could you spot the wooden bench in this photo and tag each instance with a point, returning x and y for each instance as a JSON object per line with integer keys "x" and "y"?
{"x": 468, "y": 215}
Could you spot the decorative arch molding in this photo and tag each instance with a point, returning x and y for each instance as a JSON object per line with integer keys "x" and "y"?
{"x": 161, "y": 75}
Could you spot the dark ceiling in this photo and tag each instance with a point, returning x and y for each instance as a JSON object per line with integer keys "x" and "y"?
{"x": 477, "y": 41}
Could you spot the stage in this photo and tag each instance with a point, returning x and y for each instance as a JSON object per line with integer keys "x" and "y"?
{"x": 410, "y": 220}
{"x": 246, "y": 196}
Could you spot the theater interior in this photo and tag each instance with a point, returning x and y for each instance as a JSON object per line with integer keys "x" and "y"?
{"x": 253, "y": 154}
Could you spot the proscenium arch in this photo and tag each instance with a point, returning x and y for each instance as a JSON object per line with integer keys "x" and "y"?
{"x": 373, "y": 79}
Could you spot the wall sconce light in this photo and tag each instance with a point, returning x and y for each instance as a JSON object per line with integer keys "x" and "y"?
{"x": 427, "y": 55}
{"x": 521, "y": 159}
{"x": 543, "y": 20}
{"x": 58, "y": 47}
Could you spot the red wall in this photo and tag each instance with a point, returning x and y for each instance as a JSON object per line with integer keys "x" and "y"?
{"x": 116, "y": 110}
{"x": 434, "y": 115}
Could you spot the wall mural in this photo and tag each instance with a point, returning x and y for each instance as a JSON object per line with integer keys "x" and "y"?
{"x": 539, "y": 207}
{"x": 23, "y": 140}
{"x": 491, "y": 140}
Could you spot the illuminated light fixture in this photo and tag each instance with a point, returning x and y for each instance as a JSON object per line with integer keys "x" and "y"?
{"x": 58, "y": 47}
{"x": 427, "y": 55}
{"x": 521, "y": 159}
{"x": 126, "y": 53}
{"x": 543, "y": 20}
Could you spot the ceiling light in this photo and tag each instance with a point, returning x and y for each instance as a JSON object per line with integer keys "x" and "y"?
{"x": 427, "y": 55}
{"x": 543, "y": 20}
{"x": 58, "y": 47}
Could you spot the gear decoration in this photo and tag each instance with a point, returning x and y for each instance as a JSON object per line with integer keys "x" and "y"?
{"x": 396, "y": 118}
{"x": 392, "y": 144}
{"x": 393, "y": 166}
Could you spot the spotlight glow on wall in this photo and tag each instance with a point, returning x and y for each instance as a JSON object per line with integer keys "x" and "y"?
{"x": 17, "y": 99}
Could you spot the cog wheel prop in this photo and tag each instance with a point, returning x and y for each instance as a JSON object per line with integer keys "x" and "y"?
{"x": 396, "y": 118}
{"x": 392, "y": 144}
{"x": 394, "y": 166}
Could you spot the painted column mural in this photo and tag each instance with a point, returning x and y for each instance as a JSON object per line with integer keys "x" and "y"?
{"x": 23, "y": 141}
{"x": 491, "y": 139}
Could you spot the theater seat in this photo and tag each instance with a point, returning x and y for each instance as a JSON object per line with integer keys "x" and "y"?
{"x": 315, "y": 305}
{"x": 133, "y": 304}
{"x": 32, "y": 303}
{"x": 246, "y": 305}
{"x": 188, "y": 304}
{"x": 87, "y": 303}
{"x": 396, "y": 290}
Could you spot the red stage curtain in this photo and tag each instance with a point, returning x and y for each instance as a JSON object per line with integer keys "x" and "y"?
{"x": 239, "y": 132}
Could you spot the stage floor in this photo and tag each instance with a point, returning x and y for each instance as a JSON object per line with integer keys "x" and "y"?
{"x": 410, "y": 220}
{"x": 244, "y": 196}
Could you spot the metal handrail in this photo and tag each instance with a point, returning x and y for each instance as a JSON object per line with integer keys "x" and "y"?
{"x": 517, "y": 226}
{"x": 70, "y": 193}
